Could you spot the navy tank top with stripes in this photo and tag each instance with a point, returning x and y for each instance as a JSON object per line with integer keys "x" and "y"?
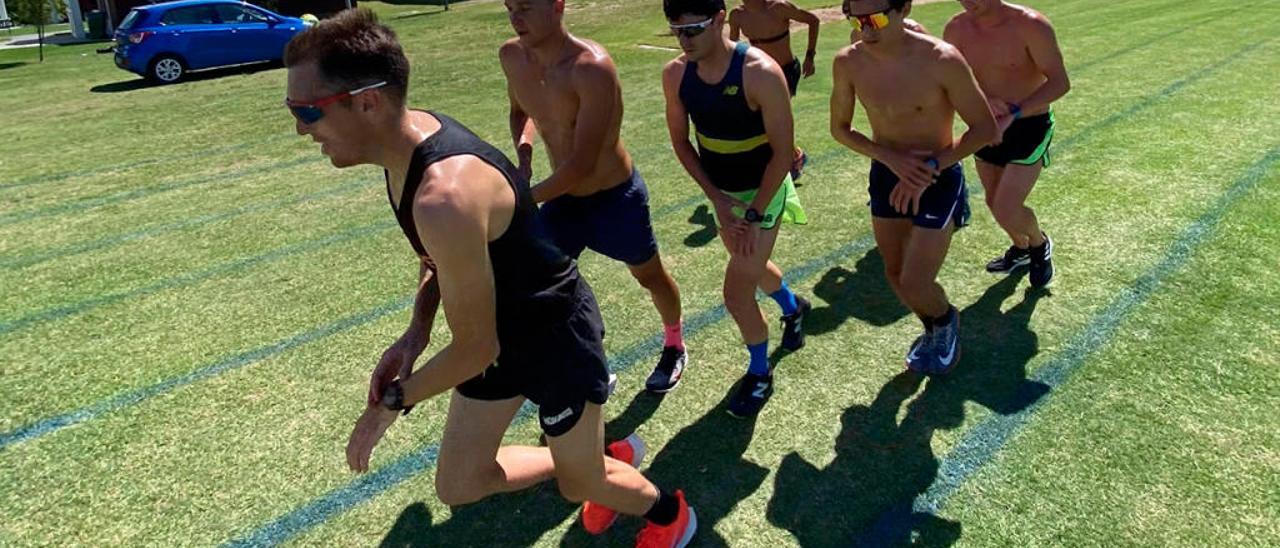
{"x": 732, "y": 145}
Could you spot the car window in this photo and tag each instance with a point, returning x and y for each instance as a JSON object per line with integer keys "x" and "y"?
{"x": 197, "y": 15}
{"x": 236, "y": 14}
{"x": 130, "y": 19}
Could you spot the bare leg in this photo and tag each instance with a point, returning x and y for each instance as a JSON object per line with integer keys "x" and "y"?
{"x": 472, "y": 466}
{"x": 584, "y": 473}
{"x": 653, "y": 276}
{"x": 741, "y": 278}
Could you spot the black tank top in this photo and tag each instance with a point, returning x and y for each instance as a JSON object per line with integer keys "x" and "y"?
{"x": 732, "y": 146}
{"x": 533, "y": 280}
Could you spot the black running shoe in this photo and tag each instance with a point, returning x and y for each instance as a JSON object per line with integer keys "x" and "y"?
{"x": 753, "y": 392}
{"x": 670, "y": 369}
{"x": 793, "y": 326}
{"x": 1042, "y": 263}
{"x": 1013, "y": 258}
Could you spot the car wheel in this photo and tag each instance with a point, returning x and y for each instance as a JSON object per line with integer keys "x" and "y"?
{"x": 167, "y": 69}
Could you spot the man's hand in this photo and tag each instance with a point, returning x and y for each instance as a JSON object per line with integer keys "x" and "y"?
{"x": 912, "y": 169}
{"x": 723, "y": 203}
{"x": 747, "y": 234}
{"x": 367, "y": 433}
{"x": 397, "y": 361}
{"x": 809, "y": 68}
{"x": 906, "y": 200}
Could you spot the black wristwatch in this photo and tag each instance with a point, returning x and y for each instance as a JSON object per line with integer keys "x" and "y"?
{"x": 393, "y": 397}
{"x": 752, "y": 216}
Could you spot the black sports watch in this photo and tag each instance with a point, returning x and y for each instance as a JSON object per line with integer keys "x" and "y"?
{"x": 753, "y": 216}
{"x": 393, "y": 397}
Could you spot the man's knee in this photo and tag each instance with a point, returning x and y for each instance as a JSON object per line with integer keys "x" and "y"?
{"x": 458, "y": 487}
{"x": 651, "y": 275}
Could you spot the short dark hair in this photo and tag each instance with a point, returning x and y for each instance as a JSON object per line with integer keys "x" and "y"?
{"x": 706, "y": 8}
{"x": 895, "y": 5}
{"x": 353, "y": 50}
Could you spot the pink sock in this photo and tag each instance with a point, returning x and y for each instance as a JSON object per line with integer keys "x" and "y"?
{"x": 674, "y": 335}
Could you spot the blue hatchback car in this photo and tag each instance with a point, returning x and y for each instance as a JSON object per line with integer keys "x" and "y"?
{"x": 164, "y": 41}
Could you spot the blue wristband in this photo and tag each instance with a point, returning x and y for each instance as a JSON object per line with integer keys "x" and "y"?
{"x": 933, "y": 163}
{"x": 1015, "y": 111}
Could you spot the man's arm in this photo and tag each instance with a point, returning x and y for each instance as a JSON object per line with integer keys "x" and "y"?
{"x": 735, "y": 32}
{"x": 766, "y": 87}
{"x": 970, "y": 103}
{"x": 596, "y": 84}
{"x": 791, "y": 12}
{"x": 425, "y": 304}
{"x": 522, "y": 132}
{"x": 452, "y": 221}
{"x": 522, "y": 126}
{"x": 1042, "y": 44}
{"x": 911, "y": 170}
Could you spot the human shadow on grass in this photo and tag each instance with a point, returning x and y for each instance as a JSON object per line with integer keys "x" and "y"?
{"x": 135, "y": 84}
{"x": 882, "y": 463}
{"x": 520, "y": 518}
{"x": 862, "y": 293}
{"x": 16, "y": 64}
{"x": 706, "y": 221}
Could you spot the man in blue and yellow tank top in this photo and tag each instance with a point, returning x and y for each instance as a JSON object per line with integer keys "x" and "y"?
{"x": 738, "y": 101}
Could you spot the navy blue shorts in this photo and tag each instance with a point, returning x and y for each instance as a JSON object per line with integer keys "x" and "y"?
{"x": 940, "y": 204}
{"x": 613, "y": 222}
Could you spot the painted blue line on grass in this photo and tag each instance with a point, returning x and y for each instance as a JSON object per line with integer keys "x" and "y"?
{"x": 357, "y": 492}
{"x": 366, "y": 487}
{"x": 225, "y": 268}
{"x": 32, "y": 259}
{"x": 90, "y": 203}
{"x": 80, "y": 307}
{"x": 981, "y": 444}
{"x": 132, "y": 397}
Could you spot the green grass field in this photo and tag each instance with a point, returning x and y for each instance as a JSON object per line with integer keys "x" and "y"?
{"x": 193, "y": 300}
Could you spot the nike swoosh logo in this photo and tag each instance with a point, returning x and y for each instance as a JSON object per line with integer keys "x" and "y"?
{"x": 951, "y": 354}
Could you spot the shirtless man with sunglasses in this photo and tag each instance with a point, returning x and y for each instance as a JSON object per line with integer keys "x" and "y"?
{"x": 912, "y": 86}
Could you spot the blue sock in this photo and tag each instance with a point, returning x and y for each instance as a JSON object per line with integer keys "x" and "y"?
{"x": 785, "y": 299}
{"x": 759, "y": 358}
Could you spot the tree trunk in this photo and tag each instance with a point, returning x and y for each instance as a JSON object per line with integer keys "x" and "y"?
{"x": 40, "y": 33}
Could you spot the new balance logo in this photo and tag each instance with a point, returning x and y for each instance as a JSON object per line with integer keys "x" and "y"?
{"x": 759, "y": 391}
{"x": 552, "y": 421}
{"x": 731, "y": 90}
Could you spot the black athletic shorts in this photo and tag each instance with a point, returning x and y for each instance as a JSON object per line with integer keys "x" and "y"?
{"x": 792, "y": 72}
{"x": 1026, "y": 142}
{"x": 558, "y": 363}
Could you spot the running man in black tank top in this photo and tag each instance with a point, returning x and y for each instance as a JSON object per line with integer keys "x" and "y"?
{"x": 744, "y": 132}
{"x": 524, "y": 325}
{"x": 767, "y": 24}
